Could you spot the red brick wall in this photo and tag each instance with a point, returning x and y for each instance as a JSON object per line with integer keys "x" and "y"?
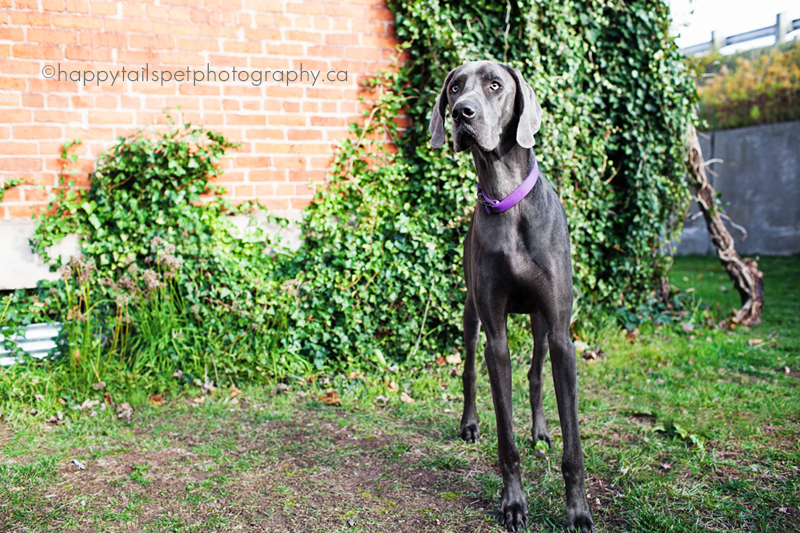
{"x": 288, "y": 132}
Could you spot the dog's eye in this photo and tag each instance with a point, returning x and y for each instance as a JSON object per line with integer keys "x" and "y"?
{"x": 454, "y": 88}
{"x": 494, "y": 86}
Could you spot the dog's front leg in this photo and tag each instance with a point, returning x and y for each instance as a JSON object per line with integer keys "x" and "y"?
{"x": 472, "y": 328}
{"x": 513, "y": 507}
{"x": 562, "y": 357}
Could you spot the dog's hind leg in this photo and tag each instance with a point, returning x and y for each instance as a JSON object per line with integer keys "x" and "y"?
{"x": 472, "y": 329}
{"x": 540, "y": 346}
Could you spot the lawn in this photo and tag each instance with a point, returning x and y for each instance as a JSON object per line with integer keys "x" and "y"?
{"x": 685, "y": 428}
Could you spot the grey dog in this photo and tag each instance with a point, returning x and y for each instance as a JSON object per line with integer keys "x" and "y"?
{"x": 516, "y": 261}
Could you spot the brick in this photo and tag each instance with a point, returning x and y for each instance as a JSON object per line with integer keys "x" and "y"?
{"x": 300, "y": 203}
{"x": 266, "y": 175}
{"x": 83, "y": 101}
{"x": 289, "y": 162}
{"x": 152, "y": 42}
{"x": 322, "y": 23}
{"x": 16, "y": 66}
{"x": 218, "y": 31}
{"x": 262, "y": 34}
{"x": 128, "y": 25}
{"x": 34, "y": 195}
{"x": 342, "y": 38}
{"x": 77, "y": 23}
{"x": 12, "y": 84}
{"x": 363, "y": 53}
{"x": 307, "y": 175}
{"x": 305, "y": 8}
{"x": 275, "y": 204}
{"x": 20, "y": 164}
{"x": 29, "y": 19}
{"x": 12, "y": 34}
{"x": 303, "y": 36}
{"x": 350, "y": 12}
{"x": 21, "y": 211}
{"x": 199, "y": 89}
{"x": 110, "y": 117}
{"x": 183, "y": 59}
{"x": 76, "y": 6}
{"x": 30, "y": 100}
{"x": 85, "y": 53}
{"x": 59, "y": 117}
{"x": 379, "y": 41}
{"x": 264, "y": 6}
{"x": 284, "y": 49}
{"x": 111, "y": 40}
{"x": 329, "y": 122}
{"x": 312, "y": 149}
{"x": 304, "y": 135}
{"x": 18, "y": 148}
{"x": 199, "y": 15}
{"x": 248, "y": 47}
{"x": 168, "y": 28}
{"x": 198, "y": 45}
{"x": 252, "y": 162}
{"x": 106, "y": 101}
{"x": 103, "y": 8}
{"x": 379, "y": 14}
{"x": 251, "y": 120}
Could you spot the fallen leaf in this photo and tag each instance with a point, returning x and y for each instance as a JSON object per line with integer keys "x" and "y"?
{"x": 208, "y": 386}
{"x": 787, "y": 370}
{"x": 454, "y": 359}
{"x": 580, "y": 346}
{"x": 381, "y": 398}
{"x": 404, "y": 397}
{"x": 330, "y": 398}
{"x": 441, "y": 360}
{"x": 234, "y": 391}
{"x": 88, "y": 404}
{"x": 666, "y": 466}
{"x": 392, "y": 386}
{"x": 754, "y": 342}
{"x": 355, "y": 375}
{"x": 38, "y": 397}
{"x": 124, "y": 410}
{"x": 311, "y": 379}
{"x": 33, "y": 412}
{"x": 235, "y": 401}
{"x": 177, "y": 374}
{"x": 99, "y": 386}
{"x": 107, "y": 398}
{"x": 62, "y": 401}
{"x": 157, "y": 400}
{"x": 79, "y": 464}
{"x": 199, "y": 399}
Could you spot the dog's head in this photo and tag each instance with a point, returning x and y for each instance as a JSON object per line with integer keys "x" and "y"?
{"x": 490, "y": 102}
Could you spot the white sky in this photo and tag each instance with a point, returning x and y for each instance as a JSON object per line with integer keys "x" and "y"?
{"x": 693, "y": 20}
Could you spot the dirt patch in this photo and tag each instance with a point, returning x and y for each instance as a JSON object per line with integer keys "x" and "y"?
{"x": 318, "y": 471}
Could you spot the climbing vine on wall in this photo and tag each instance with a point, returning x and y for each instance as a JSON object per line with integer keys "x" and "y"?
{"x": 380, "y": 273}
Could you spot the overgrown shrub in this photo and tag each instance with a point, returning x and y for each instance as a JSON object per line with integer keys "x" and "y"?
{"x": 381, "y": 268}
{"x": 760, "y": 87}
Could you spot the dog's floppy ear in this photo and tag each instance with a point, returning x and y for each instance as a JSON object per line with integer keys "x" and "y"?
{"x": 436, "y": 128}
{"x": 527, "y": 108}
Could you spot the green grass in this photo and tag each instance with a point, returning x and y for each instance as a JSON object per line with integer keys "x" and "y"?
{"x": 681, "y": 431}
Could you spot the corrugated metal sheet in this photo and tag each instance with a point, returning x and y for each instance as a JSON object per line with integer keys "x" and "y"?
{"x": 38, "y": 341}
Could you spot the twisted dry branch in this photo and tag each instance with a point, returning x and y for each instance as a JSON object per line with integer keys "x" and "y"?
{"x": 747, "y": 278}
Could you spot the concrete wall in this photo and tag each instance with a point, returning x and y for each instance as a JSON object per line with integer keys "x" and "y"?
{"x": 759, "y": 179}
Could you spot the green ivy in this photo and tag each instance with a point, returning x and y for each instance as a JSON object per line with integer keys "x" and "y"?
{"x": 380, "y": 273}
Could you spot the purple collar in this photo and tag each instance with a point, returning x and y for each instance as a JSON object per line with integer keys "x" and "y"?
{"x": 498, "y": 206}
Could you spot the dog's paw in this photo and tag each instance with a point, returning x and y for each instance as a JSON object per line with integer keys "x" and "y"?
{"x": 514, "y": 514}
{"x": 582, "y": 523}
{"x": 469, "y": 432}
{"x": 536, "y": 436}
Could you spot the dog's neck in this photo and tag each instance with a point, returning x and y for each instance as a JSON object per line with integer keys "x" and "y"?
{"x": 503, "y": 169}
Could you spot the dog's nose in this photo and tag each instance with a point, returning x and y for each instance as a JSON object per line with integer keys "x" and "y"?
{"x": 464, "y": 110}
